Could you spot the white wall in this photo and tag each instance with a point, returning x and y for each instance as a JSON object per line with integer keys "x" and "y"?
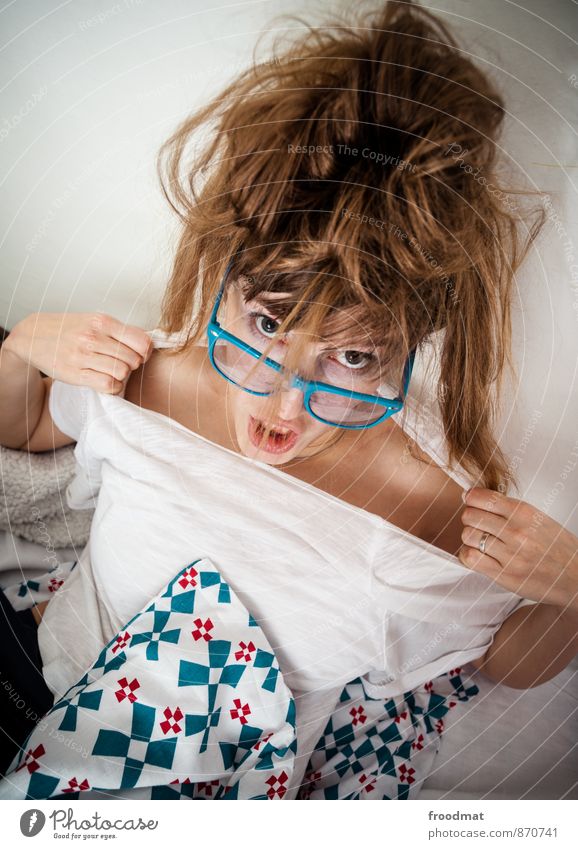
{"x": 92, "y": 87}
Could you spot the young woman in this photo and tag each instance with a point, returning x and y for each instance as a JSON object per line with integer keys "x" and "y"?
{"x": 344, "y": 215}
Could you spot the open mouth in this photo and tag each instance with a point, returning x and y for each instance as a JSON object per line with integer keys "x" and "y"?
{"x": 280, "y": 439}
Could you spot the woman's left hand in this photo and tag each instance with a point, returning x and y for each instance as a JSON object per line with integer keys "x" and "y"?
{"x": 527, "y": 552}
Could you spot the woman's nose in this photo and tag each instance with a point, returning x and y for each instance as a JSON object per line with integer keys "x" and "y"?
{"x": 290, "y": 403}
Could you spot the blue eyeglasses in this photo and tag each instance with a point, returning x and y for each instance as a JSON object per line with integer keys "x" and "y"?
{"x": 246, "y": 367}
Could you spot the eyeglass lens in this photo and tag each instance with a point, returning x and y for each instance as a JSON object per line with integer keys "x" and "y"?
{"x": 256, "y": 376}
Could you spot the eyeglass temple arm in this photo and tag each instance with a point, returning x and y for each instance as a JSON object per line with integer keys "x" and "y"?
{"x": 213, "y": 319}
{"x": 408, "y": 368}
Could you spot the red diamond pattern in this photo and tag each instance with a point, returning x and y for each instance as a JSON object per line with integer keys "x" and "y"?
{"x": 201, "y": 632}
{"x": 172, "y": 719}
{"x": 370, "y": 785}
{"x": 206, "y": 788}
{"x": 54, "y": 585}
{"x": 30, "y": 761}
{"x": 418, "y": 744}
{"x": 126, "y": 690}
{"x": 121, "y": 642}
{"x": 245, "y": 651}
{"x": 277, "y": 785}
{"x": 358, "y": 716}
{"x": 74, "y": 786}
{"x": 406, "y": 775}
{"x": 240, "y": 711}
{"x": 188, "y": 578}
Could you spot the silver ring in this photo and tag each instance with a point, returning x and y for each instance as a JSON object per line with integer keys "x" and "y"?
{"x": 483, "y": 541}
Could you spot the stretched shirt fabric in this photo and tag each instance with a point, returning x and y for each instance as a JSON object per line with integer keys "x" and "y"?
{"x": 339, "y": 592}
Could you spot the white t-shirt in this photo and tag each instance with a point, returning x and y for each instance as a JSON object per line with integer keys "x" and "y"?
{"x": 338, "y": 591}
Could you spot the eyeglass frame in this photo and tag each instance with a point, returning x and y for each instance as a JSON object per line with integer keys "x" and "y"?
{"x": 307, "y": 387}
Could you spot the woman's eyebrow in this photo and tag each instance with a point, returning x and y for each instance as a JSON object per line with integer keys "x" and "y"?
{"x": 363, "y": 347}
{"x": 266, "y": 306}
{"x": 358, "y": 346}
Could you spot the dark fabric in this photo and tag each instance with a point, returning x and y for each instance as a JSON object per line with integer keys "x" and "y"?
{"x": 24, "y": 696}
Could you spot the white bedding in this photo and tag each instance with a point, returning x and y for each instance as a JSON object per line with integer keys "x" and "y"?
{"x": 504, "y": 744}
{"x": 511, "y": 744}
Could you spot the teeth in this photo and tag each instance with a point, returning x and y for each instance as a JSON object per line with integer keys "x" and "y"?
{"x": 282, "y": 430}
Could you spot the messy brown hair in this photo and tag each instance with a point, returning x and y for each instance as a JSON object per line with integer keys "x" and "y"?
{"x": 356, "y": 170}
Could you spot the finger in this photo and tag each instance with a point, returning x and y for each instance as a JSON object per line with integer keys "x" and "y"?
{"x": 113, "y": 348}
{"x": 101, "y": 382}
{"x": 108, "y": 365}
{"x": 495, "y": 547}
{"x": 496, "y": 525}
{"x": 492, "y": 501}
{"x": 473, "y": 559}
{"x": 132, "y": 337}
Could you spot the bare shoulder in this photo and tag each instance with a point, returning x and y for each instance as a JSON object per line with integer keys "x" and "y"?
{"x": 176, "y": 384}
{"x": 148, "y": 386}
{"x": 426, "y": 496}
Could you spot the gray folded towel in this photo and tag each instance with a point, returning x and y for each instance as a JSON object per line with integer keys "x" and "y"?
{"x": 32, "y": 498}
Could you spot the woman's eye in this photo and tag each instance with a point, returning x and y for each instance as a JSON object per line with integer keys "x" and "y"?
{"x": 354, "y": 359}
{"x": 266, "y": 325}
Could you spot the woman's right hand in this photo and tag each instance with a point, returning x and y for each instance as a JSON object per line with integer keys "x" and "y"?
{"x": 85, "y": 349}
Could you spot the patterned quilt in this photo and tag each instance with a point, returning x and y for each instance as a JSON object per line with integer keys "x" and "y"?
{"x": 188, "y": 701}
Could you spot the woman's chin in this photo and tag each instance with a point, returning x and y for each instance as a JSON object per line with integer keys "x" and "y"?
{"x": 272, "y": 459}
